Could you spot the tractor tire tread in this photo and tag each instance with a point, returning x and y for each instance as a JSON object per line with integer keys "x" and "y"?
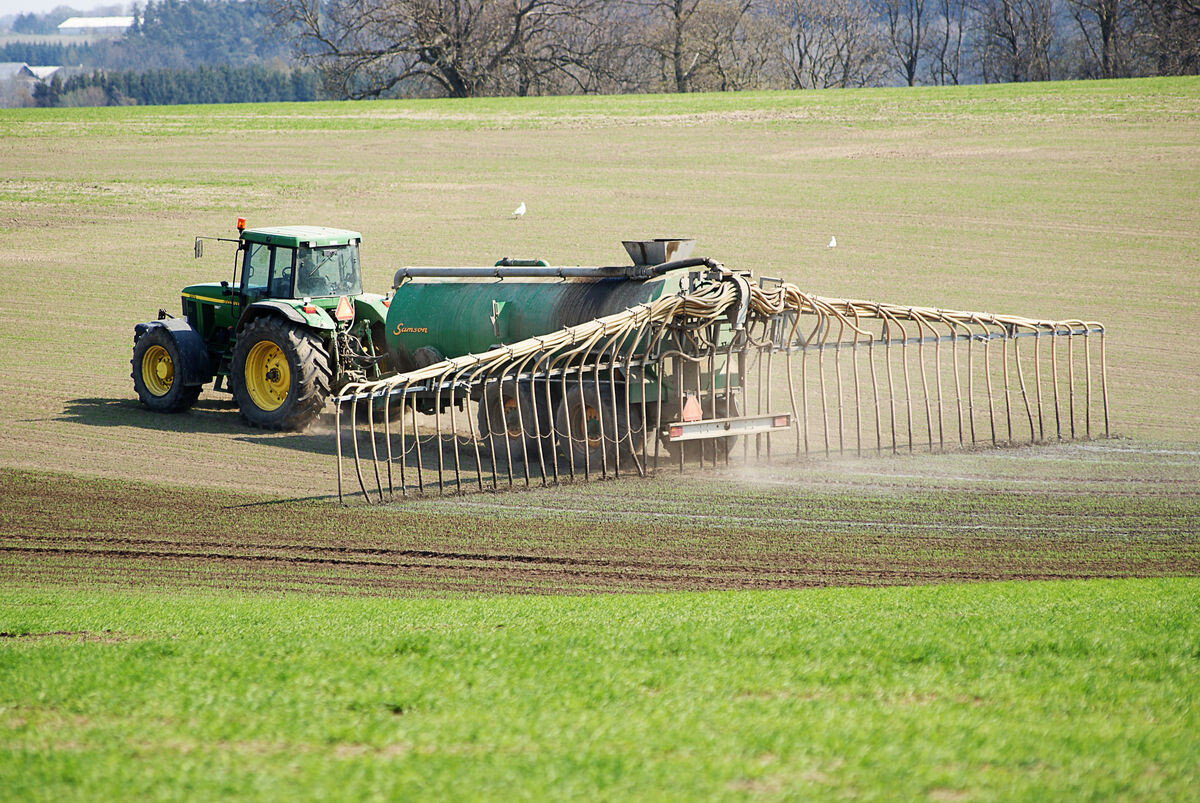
{"x": 308, "y": 358}
{"x": 180, "y": 397}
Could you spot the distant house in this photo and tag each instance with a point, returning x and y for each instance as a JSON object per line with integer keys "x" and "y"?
{"x": 85, "y": 25}
{"x": 16, "y": 71}
{"x": 44, "y": 73}
{"x": 21, "y": 72}
{"x": 16, "y": 84}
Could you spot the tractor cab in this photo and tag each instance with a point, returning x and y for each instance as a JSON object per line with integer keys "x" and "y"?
{"x": 290, "y": 262}
{"x": 304, "y": 268}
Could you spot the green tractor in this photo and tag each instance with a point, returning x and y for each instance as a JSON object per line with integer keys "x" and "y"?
{"x": 292, "y": 327}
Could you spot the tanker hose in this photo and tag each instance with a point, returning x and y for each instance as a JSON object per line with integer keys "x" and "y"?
{"x": 679, "y": 264}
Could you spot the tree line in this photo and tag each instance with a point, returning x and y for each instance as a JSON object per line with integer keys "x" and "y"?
{"x": 465, "y": 48}
{"x": 48, "y": 53}
{"x": 166, "y": 34}
{"x": 177, "y": 51}
{"x": 222, "y": 83}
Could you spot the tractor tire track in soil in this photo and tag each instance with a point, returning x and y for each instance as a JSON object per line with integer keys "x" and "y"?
{"x": 228, "y": 570}
{"x": 59, "y": 529}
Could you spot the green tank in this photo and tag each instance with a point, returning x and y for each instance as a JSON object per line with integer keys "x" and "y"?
{"x": 437, "y": 313}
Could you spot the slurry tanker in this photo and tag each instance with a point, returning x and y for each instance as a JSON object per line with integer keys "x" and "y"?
{"x": 522, "y": 370}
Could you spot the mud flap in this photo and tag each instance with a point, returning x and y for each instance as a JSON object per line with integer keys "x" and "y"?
{"x": 196, "y": 366}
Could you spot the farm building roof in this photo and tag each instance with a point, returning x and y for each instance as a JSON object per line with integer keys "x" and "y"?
{"x": 15, "y": 69}
{"x": 94, "y": 23}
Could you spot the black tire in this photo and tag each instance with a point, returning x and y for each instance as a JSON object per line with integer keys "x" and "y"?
{"x": 582, "y": 417}
{"x": 156, "y": 373}
{"x": 268, "y": 345}
{"x": 506, "y": 417}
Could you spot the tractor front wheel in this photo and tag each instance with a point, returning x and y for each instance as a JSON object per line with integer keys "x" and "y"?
{"x": 156, "y": 368}
{"x": 280, "y": 374}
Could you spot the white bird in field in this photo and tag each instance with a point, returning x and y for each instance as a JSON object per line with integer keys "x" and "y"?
{"x": 832, "y": 242}
{"x": 519, "y": 211}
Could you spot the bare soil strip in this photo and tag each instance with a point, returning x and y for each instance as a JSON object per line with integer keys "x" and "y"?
{"x": 59, "y": 529}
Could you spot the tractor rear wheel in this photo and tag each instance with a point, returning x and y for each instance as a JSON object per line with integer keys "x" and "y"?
{"x": 280, "y": 374}
{"x": 156, "y": 369}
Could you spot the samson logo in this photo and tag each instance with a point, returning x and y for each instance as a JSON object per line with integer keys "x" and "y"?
{"x": 402, "y": 329}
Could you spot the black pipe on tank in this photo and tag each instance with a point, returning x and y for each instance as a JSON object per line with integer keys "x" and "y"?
{"x": 632, "y": 272}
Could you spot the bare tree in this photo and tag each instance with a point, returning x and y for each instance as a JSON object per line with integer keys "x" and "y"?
{"x": 459, "y": 48}
{"x": 596, "y": 53}
{"x": 907, "y": 27}
{"x": 1104, "y": 25}
{"x": 1167, "y": 36}
{"x": 945, "y": 42}
{"x": 671, "y": 33}
{"x": 831, "y": 43}
{"x": 1014, "y": 39}
{"x": 463, "y": 48}
{"x": 735, "y": 45}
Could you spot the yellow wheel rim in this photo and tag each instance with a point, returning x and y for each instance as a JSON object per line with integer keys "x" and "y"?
{"x": 158, "y": 370}
{"x": 268, "y": 378}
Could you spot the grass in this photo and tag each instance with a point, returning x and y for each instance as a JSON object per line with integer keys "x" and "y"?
{"x": 870, "y": 108}
{"x": 1008, "y": 690}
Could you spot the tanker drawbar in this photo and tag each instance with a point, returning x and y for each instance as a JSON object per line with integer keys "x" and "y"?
{"x": 524, "y": 373}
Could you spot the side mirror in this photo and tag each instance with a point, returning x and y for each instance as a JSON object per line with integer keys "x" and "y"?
{"x": 199, "y": 248}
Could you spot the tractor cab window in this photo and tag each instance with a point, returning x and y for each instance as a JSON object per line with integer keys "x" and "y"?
{"x": 267, "y": 271}
{"x": 331, "y": 271}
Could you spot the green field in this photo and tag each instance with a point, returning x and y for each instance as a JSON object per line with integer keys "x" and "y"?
{"x": 186, "y": 611}
{"x": 1031, "y": 691}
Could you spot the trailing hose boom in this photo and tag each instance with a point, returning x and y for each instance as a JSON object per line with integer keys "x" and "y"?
{"x": 523, "y": 372}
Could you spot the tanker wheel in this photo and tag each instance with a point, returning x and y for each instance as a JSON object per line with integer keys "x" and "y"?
{"x": 155, "y": 364}
{"x": 280, "y": 374}
{"x": 590, "y": 428}
{"x": 506, "y": 418}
